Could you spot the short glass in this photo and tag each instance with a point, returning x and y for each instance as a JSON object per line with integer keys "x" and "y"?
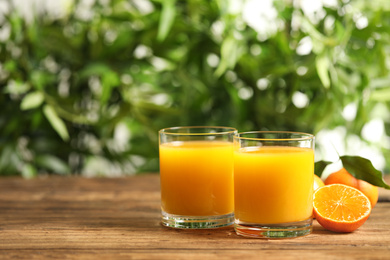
{"x": 273, "y": 184}
{"x": 196, "y": 175}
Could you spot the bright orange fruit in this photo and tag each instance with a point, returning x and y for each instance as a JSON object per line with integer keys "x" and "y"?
{"x": 344, "y": 177}
{"x": 317, "y": 182}
{"x": 369, "y": 190}
{"x": 340, "y": 208}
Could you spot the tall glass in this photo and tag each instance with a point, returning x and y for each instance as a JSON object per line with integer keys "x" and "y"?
{"x": 273, "y": 184}
{"x": 196, "y": 175}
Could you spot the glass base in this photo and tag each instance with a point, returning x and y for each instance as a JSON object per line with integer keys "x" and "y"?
{"x": 283, "y": 230}
{"x": 196, "y": 222}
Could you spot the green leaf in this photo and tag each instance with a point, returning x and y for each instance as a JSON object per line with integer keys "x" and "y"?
{"x": 39, "y": 79}
{"x": 320, "y": 166}
{"x": 17, "y": 87}
{"x": 10, "y": 66}
{"x": 378, "y": 83}
{"x": 229, "y": 55}
{"x": 363, "y": 169}
{"x": 52, "y": 163}
{"x": 322, "y": 66}
{"x": 95, "y": 69}
{"x": 339, "y": 30}
{"x": 167, "y": 18}
{"x": 109, "y": 81}
{"x": 32, "y": 100}
{"x": 29, "y": 171}
{"x": 381, "y": 94}
{"x": 56, "y": 122}
{"x": 313, "y": 32}
{"x": 109, "y": 78}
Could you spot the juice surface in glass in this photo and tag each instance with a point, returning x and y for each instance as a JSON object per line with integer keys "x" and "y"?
{"x": 273, "y": 184}
{"x": 197, "y": 177}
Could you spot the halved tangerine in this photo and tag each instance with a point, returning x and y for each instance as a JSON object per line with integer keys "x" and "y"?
{"x": 340, "y": 208}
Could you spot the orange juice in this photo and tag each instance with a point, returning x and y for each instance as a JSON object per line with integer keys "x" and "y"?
{"x": 273, "y": 184}
{"x": 197, "y": 177}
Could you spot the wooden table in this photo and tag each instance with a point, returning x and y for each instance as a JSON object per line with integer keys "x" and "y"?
{"x": 80, "y": 218}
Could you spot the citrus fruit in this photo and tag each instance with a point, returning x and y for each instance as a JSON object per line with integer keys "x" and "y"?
{"x": 344, "y": 177}
{"x": 340, "y": 208}
{"x": 369, "y": 190}
{"x": 317, "y": 182}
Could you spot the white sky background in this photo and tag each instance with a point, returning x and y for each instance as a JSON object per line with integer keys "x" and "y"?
{"x": 262, "y": 17}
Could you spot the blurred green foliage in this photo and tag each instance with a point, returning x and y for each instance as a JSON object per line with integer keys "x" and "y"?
{"x": 85, "y": 91}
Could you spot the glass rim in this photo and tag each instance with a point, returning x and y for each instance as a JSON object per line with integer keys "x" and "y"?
{"x": 301, "y": 136}
{"x": 229, "y": 130}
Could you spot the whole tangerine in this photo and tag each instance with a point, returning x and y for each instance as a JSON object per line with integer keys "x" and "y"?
{"x": 341, "y": 177}
{"x": 369, "y": 190}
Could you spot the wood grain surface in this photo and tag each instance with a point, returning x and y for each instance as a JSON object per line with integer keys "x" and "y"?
{"x": 119, "y": 218}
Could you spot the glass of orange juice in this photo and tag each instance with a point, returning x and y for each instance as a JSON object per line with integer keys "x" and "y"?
{"x": 273, "y": 184}
{"x": 196, "y": 176}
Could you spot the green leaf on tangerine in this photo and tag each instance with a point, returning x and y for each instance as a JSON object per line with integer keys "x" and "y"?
{"x": 363, "y": 169}
{"x": 320, "y": 166}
